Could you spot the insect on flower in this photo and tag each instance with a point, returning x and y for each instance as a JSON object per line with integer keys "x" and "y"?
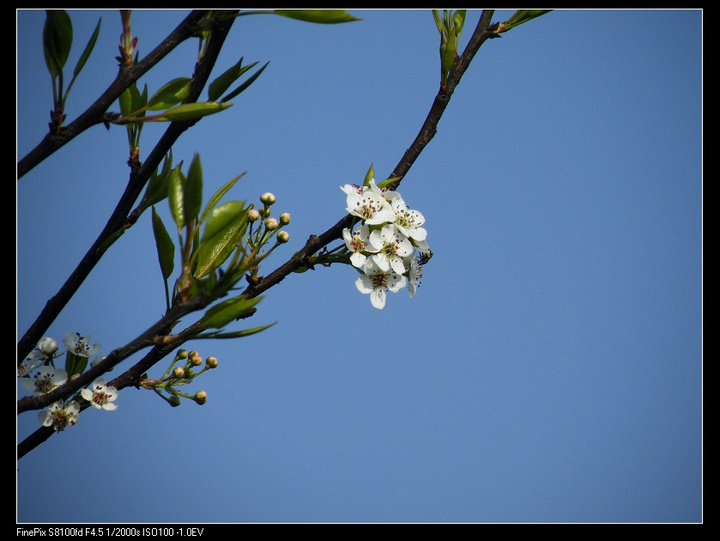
{"x": 424, "y": 257}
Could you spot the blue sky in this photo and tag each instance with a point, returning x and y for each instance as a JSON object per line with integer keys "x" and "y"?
{"x": 549, "y": 369}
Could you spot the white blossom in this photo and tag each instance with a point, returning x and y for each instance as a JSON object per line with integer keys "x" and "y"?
{"x": 100, "y": 395}
{"x": 59, "y": 416}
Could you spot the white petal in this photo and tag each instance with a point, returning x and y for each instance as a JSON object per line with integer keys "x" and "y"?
{"x": 419, "y": 233}
{"x": 377, "y": 298}
{"x": 364, "y": 284}
{"x": 397, "y": 265}
{"x": 396, "y": 283}
{"x": 358, "y": 260}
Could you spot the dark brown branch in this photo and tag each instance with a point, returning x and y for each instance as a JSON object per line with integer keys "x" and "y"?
{"x": 315, "y": 243}
{"x": 425, "y": 135}
{"x": 95, "y": 113}
{"x": 135, "y": 185}
{"x": 128, "y": 378}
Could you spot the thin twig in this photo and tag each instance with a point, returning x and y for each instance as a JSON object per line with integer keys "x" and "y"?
{"x": 135, "y": 185}
{"x": 425, "y": 135}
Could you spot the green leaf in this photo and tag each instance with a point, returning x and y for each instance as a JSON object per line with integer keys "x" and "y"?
{"x": 170, "y": 94}
{"x": 221, "y": 217}
{"x": 223, "y": 229}
{"x": 176, "y": 190}
{"x": 125, "y": 100}
{"x": 218, "y": 195}
{"x": 75, "y": 364}
{"x": 190, "y": 111}
{"x": 164, "y": 244}
{"x": 227, "y": 311}
{"x": 193, "y": 189}
{"x": 387, "y": 182}
{"x": 322, "y": 16}
{"x": 88, "y": 49}
{"x": 235, "y": 334}
{"x": 459, "y": 20}
{"x": 370, "y": 175}
{"x": 519, "y": 17}
{"x": 157, "y": 188}
{"x": 228, "y": 77}
{"x": 131, "y": 100}
{"x": 57, "y": 40}
{"x": 245, "y": 84}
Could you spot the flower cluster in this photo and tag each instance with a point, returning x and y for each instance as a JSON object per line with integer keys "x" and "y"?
{"x": 389, "y": 244}
{"x": 39, "y": 375}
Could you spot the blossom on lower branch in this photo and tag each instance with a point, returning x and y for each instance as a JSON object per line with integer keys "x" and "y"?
{"x": 389, "y": 246}
{"x": 100, "y": 395}
{"x": 60, "y": 416}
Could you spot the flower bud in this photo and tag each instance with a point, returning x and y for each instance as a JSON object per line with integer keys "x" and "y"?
{"x": 211, "y": 362}
{"x": 267, "y": 198}
{"x": 253, "y": 215}
{"x": 174, "y": 400}
{"x": 182, "y": 354}
{"x": 271, "y": 223}
{"x": 285, "y": 218}
{"x": 47, "y": 346}
{"x": 283, "y": 236}
{"x": 195, "y": 358}
{"x": 179, "y": 372}
{"x": 201, "y": 397}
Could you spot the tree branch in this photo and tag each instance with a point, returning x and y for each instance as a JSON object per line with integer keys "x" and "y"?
{"x": 94, "y": 114}
{"x": 424, "y": 136}
{"x": 298, "y": 260}
{"x": 128, "y": 378}
{"x": 135, "y": 185}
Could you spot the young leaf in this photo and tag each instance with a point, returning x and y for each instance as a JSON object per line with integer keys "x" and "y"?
{"x": 125, "y": 100}
{"x": 164, "y": 244}
{"x": 193, "y": 189}
{"x": 88, "y": 49}
{"x": 221, "y": 217}
{"x": 228, "y": 77}
{"x": 157, "y": 188}
{"x": 222, "y": 232}
{"x": 322, "y": 16}
{"x": 170, "y": 94}
{"x": 176, "y": 190}
{"x": 227, "y": 311}
{"x": 218, "y": 195}
{"x": 75, "y": 364}
{"x": 57, "y": 40}
{"x": 370, "y": 175}
{"x": 235, "y": 334}
{"x": 245, "y": 84}
{"x": 519, "y": 17}
{"x": 190, "y": 111}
